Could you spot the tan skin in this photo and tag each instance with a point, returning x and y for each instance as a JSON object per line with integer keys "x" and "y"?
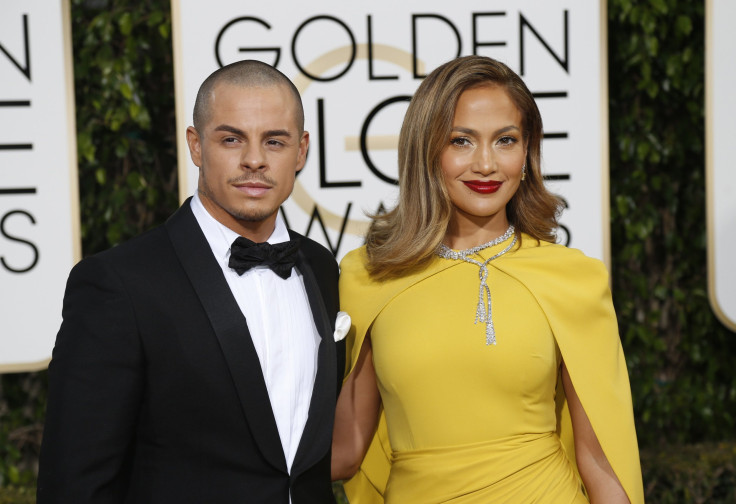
{"x": 486, "y": 144}
{"x": 248, "y": 155}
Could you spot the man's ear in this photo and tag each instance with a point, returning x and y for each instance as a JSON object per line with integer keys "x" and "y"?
{"x": 303, "y": 148}
{"x": 195, "y": 146}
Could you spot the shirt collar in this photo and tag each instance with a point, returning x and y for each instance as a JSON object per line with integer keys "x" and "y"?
{"x": 220, "y": 237}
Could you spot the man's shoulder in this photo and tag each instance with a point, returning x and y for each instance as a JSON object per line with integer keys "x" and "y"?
{"x": 147, "y": 244}
{"x": 313, "y": 249}
{"x": 142, "y": 245}
{"x": 128, "y": 263}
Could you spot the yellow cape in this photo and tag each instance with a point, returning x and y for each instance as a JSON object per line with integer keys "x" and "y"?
{"x": 573, "y": 292}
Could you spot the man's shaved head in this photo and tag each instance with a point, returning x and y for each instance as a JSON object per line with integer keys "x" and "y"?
{"x": 247, "y": 73}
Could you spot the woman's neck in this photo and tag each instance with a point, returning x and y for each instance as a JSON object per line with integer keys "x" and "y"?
{"x": 462, "y": 234}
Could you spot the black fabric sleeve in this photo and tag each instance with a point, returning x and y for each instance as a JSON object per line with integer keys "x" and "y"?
{"x": 95, "y": 386}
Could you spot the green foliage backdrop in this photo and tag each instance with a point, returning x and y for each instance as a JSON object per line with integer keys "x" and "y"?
{"x": 680, "y": 357}
{"x": 123, "y": 77}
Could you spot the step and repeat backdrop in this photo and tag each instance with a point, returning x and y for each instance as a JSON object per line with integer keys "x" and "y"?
{"x": 39, "y": 216}
{"x": 720, "y": 110}
{"x": 357, "y": 66}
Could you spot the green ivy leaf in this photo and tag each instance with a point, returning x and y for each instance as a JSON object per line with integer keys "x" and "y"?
{"x": 100, "y": 176}
{"x": 126, "y": 91}
{"x": 126, "y": 23}
{"x": 660, "y": 5}
{"x": 13, "y": 474}
{"x": 164, "y": 30}
{"x": 684, "y": 25}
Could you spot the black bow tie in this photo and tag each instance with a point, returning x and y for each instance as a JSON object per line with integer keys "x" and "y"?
{"x": 244, "y": 254}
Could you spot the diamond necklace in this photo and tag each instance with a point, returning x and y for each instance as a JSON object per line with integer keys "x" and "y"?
{"x": 483, "y": 311}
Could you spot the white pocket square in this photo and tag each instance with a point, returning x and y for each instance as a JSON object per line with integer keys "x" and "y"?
{"x": 342, "y": 325}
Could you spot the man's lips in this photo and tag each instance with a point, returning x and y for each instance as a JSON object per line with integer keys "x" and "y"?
{"x": 253, "y": 188}
{"x": 483, "y": 187}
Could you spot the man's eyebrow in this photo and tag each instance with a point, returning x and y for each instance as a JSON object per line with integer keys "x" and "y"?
{"x": 230, "y": 129}
{"x": 270, "y": 133}
{"x": 277, "y": 133}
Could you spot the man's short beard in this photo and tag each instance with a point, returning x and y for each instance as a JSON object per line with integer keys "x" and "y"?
{"x": 253, "y": 216}
{"x": 258, "y": 215}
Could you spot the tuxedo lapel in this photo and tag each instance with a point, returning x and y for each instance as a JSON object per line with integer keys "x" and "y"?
{"x": 317, "y": 435}
{"x": 230, "y": 328}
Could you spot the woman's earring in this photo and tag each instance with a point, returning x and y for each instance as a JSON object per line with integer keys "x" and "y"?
{"x": 523, "y": 172}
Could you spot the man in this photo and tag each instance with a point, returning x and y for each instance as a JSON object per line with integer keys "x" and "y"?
{"x": 184, "y": 373}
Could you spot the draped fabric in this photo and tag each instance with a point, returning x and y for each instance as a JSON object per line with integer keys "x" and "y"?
{"x": 514, "y": 470}
{"x": 471, "y": 422}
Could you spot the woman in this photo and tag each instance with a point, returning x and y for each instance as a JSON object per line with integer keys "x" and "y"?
{"x": 493, "y": 352}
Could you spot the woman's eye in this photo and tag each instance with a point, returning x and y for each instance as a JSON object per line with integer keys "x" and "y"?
{"x": 460, "y": 141}
{"x": 507, "y": 140}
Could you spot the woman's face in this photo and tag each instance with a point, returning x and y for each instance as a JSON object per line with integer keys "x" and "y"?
{"x": 482, "y": 161}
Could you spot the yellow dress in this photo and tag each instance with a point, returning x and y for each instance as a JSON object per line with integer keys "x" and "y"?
{"x": 467, "y": 422}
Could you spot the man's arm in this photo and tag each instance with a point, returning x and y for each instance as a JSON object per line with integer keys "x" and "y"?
{"x": 95, "y": 388}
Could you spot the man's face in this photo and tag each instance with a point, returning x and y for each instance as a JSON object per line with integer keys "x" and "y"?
{"x": 248, "y": 154}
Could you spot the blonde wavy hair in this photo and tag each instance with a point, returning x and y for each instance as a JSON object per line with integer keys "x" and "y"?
{"x": 406, "y": 238}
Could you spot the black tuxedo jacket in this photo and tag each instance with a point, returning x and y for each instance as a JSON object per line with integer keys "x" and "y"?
{"x": 156, "y": 394}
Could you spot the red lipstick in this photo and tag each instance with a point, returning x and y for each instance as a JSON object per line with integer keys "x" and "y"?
{"x": 483, "y": 187}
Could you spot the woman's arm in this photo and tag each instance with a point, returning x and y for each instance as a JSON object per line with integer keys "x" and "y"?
{"x": 356, "y": 416}
{"x": 600, "y": 481}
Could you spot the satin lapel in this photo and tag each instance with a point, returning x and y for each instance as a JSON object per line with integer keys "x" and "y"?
{"x": 231, "y": 329}
{"x": 317, "y": 436}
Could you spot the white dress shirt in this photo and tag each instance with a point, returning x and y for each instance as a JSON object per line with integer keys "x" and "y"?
{"x": 281, "y": 326}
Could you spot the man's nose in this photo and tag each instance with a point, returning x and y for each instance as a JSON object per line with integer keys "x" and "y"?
{"x": 253, "y": 157}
